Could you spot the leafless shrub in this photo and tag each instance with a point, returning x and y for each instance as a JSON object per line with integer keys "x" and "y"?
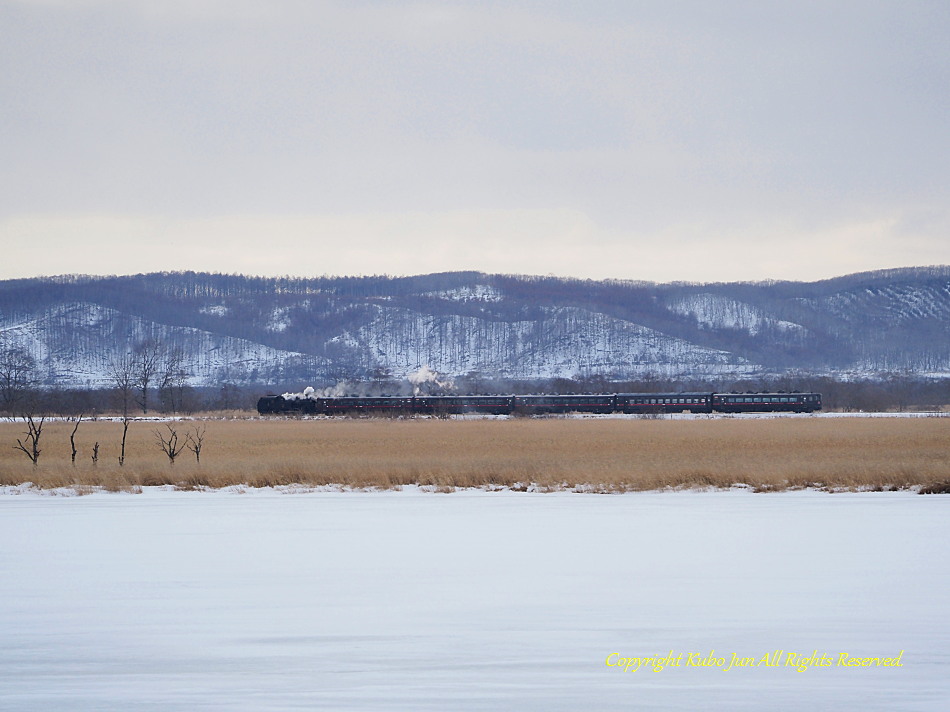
{"x": 195, "y": 439}
{"x": 168, "y": 442}
{"x": 125, "y": 433}
{"x": 33, "y": 433}
{"x": 72, "y": 439}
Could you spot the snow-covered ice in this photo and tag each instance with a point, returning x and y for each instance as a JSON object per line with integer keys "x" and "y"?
{"x": 469, "y": 601}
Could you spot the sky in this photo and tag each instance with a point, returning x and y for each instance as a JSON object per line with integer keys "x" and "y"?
{"x": 657, "y": 140}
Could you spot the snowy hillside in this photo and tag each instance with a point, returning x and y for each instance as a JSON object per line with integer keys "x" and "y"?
{"x": 559, "y": 342}
{"x": 75, "y": 344}
{"x": 272, "y": 332}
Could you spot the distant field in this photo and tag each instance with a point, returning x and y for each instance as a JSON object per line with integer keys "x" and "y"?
{"x": 602, "y": 455}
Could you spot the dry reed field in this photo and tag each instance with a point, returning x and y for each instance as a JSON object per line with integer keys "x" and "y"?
{"x": 590, "y": 455}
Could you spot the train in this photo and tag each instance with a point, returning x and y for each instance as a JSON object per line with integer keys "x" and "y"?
{"x": 630, "y": 403}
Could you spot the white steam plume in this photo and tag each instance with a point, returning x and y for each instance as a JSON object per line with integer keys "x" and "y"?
{"x": 426, "y": 375}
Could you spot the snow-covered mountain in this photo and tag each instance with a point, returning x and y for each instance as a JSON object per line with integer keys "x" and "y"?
{"x": 272, "y": 332}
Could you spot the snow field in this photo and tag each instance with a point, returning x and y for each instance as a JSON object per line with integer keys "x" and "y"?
{"x": 473, "y": 601}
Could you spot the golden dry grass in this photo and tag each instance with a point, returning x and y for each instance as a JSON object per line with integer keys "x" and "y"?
{"x": 598, "y": 455}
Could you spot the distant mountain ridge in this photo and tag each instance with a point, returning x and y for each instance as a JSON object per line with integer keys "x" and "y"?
{"x": 275, "y": 331}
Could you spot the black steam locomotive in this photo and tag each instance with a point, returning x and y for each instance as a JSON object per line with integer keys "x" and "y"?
{"x": 642, "y": 403}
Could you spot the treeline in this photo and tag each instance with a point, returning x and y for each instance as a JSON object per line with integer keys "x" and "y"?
{"x": 98, "y": 402}
{"x": 894, "y": 394}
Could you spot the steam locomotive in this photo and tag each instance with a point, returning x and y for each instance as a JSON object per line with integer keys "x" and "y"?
{"x": 642, "y": 403}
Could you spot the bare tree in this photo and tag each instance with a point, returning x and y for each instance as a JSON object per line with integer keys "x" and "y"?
{"x": 169, "y": 443}
{"x": 72, "y": 438}
{"x": 122, "y": 374}
{"x": 32, "y": 446}
{"x": 173, "y": 380}
{"x": 146, "y": 361}
{"x": 195, "y": 441}
{"x": 95, "y": 453}
{"x": 125, "y": 431}
{"x": 17, "y": 378}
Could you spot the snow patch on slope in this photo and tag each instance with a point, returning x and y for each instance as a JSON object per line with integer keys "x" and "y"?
{"x": 214, "y": 310}
{"x": 472, "y": 293}
{"x": 717, "y": 312}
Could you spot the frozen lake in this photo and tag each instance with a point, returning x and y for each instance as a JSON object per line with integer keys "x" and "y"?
{"x": 470, "y": 601}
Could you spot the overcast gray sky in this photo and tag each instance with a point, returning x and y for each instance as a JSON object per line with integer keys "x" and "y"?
{"x": 666, "y": 140}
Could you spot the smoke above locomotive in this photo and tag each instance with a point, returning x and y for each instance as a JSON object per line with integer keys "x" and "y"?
{"x": 424, "y": 381}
